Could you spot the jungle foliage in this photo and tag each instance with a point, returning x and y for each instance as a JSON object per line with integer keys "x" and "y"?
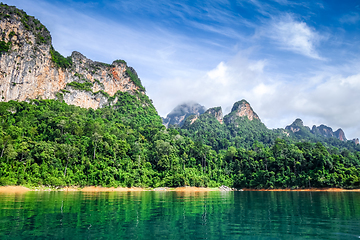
{"x": 47, "y": 142}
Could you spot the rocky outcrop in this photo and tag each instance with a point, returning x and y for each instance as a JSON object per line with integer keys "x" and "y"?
{"x": 298, "y": 127}
{"x": 181, "y": 112}
{"x": 225, "y": 188}
{"x": 217, "y": 113}
{"x": 356, "y": 141}
{"x": 31, "y": 69}
{"x": 322, "y": 130}
{"x": 326, "y": 131}
{"x": 339, "y": 134}
{"x": 241, "y": 109}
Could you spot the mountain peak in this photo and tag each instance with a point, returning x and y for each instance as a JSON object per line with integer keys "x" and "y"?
{"x": 339, "y": 134}
{"x": 178, "y": 115}
{"x": 242, "y": 108}
{"x": 296, "y": 126}
{"x": 321, "y": 131}
{"x": 298, "y": 122}
{"x": 217, "y": 113}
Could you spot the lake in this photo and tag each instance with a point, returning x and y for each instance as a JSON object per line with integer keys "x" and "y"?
{"x": 180, "y": 215}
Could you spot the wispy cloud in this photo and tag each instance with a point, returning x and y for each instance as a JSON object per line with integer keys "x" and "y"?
{"x": 350, "y": 18}
{"x": 294, "y": 36}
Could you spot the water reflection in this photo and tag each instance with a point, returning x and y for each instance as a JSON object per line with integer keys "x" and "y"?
{"x": 180, "y": 215}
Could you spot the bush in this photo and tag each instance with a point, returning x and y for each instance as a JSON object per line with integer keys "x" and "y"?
{"x": 59, "y": 60}
{"x": 4, "y": 46}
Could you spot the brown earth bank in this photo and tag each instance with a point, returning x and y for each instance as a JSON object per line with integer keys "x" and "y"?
{"x": 21, "y": 189}
{"x": 14, "y": 189}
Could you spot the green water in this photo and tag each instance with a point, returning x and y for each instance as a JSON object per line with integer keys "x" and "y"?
{"x": 171, "y": 215}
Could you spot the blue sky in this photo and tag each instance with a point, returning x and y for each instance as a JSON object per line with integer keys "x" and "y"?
{"x": 289, "y": 59}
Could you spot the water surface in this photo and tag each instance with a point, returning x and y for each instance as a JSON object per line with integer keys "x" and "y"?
{"x": 180, "y": 215}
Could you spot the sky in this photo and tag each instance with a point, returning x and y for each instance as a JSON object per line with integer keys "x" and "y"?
{"x": 288, "y": 59}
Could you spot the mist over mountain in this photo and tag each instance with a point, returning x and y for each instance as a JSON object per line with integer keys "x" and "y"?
{"x": 178, "y": 115}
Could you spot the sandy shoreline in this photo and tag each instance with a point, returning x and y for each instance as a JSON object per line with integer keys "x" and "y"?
{"x": 21, "y": 189}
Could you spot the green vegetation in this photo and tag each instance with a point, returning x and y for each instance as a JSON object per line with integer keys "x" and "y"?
{"x": 99, "y": 83}
{"x": 134, "y": 78}
{"x": 4, "y": 46}
{"x": 241, "y": 133}
{"x": 103, "y": 93}
{"x": 86, "y": 86}
{"x": 11, "y": 34}
{"x": 65, "y": 91}
{"x": 60, "y": 96}
{"x": 48, "y": 142}
{"x": 59, "y": 60}
{"x": 120, "y": 61}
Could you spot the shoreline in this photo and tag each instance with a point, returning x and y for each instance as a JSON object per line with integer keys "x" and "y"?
{"x": 303, "y": 190}
{"x": 22, "y": 189}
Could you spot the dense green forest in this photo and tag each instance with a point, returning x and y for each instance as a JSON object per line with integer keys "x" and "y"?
{"x": 47, "y": 142}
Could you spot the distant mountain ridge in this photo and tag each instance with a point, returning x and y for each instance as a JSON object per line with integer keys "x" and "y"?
{"x": 243, "y": 127}
{"x": 298, "y": 128}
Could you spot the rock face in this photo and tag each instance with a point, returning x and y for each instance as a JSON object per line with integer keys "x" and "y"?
{"x": 225, "y": 188}
{"x": 339, "y": 134}
{"x": 296, "y": 126}
{"x": 241, "y": 109}
{"x": 181, "y": 112}
{"x": 324, "y": 131}
{"x": 217, "y": 113}
{"x": 30, "y": 68}
{"x": 356, "y": 141}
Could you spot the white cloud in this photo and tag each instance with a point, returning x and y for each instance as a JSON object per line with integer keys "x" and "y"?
{"x": 351, "y": 18}
{"x": 322, "y": 97}
{"x": 222, "y": 86}
{"x": 318, "y": 98}
{"x": 294, "y": 36}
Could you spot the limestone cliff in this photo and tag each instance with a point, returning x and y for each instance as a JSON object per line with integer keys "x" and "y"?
{"x": 326, "y": 131}
{"x": 241, "y": 109}
{"x": 298, "y": 128}
{"x": 30, "y": 68}
{"x": 179, "y": 114}
{"x": 217, "y": 113}
{"x": 322, "y": 130}
{"x": 339, "y": 134}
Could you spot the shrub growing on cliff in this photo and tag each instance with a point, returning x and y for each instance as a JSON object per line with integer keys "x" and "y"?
{"x": 59, "y": 60}
{"x": 120, "y": 61}
{"x": 4, "y": 47}
{"x": 86, "y": 86}
{"x": 11, "y": 34}
{"x": 135, "y": 79}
